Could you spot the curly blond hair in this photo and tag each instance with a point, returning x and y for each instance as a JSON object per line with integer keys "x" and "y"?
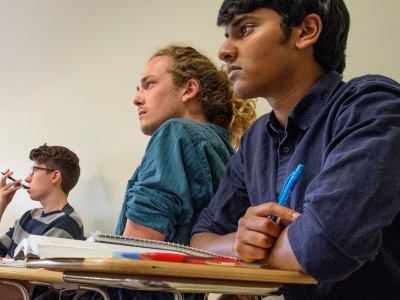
{"x": 218, "y": 101}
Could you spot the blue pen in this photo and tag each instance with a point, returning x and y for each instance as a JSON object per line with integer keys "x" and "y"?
{"x": 288, "y": 188}
{"x": 131, "y": 255}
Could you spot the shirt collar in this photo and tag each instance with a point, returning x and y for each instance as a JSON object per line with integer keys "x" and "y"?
{"x": 308, "y": 108}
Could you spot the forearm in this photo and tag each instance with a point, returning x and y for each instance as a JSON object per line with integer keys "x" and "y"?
{"x": 11, "y": 292}
{"x": 139, "y": 231}
{"x": 2, "y": 209}
{"x": 220, "y": 244}
{"x": 281, "y": 255}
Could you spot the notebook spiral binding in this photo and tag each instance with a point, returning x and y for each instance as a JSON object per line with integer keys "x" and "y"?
{"x": 154, "y": 244}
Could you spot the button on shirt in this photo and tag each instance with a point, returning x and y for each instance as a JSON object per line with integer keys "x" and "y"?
{"x": 347, "y": 136}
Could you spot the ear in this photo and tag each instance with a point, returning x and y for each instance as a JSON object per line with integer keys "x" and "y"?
{"x": 309, "y": 31}
{"x": 56, "y": 177}
{"x": 190, "y": 90}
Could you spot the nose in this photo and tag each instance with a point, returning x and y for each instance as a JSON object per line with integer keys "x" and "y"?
{"x": 137, "y": 100}
{"x": 227, "y": 52}
{"x": 28, "y": 178}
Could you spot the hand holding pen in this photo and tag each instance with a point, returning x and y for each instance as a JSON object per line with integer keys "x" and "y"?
{"x": 9, "y": 177}
{"x": 256, "y": 235}
{"x": 7, "y": 191}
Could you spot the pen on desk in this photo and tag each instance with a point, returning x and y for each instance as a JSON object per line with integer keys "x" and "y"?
{"x": 131, "y": 255}
{"x": 288, "y": 187}
{"x": 177, "y": 257}
{"x": 174, "y": 257}
{"x": 9, "y": 177}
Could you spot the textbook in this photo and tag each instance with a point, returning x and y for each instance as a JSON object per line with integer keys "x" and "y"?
{"x": 37, "y": 246}
{"x": 9, "y": 262}
{"x": 97, "y": 246}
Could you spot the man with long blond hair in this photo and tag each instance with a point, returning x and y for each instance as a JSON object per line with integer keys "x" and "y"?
{"x": 187, "y": 105}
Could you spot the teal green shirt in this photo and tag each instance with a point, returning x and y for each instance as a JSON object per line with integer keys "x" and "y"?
{"x": 182, "y": 167}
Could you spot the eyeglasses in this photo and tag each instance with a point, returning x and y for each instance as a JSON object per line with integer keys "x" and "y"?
{"x": 33, "y": 169}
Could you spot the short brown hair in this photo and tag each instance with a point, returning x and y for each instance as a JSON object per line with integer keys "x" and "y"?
{"x": 59, "y": 158}
{"x": 219, "y": 104}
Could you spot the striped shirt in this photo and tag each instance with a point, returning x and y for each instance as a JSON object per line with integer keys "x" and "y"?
{"x": 64, "y": 223}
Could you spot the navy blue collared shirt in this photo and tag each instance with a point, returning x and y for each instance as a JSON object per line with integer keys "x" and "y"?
{"x": 347, "y": 136}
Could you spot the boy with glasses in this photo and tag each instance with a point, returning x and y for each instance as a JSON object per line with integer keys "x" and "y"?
{"x": 54, "y": 173}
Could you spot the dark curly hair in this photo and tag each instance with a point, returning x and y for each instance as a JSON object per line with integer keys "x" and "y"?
{"x": 59, "y": 158}
{"x": 219, "y": 104}
{"x": 329, "y": 50}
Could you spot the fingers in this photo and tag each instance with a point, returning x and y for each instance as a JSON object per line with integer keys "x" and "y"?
{"x": 274, "y": 209}
{"x": 7, "y": 174}
{"x": 257, "y": 232}
{"x": 11, "y": 187}
{"x": 256, "y": 220}
{"x": 255, "y": 235}
{"x": 4, "y": 177}
{"x": 250, "y": 252}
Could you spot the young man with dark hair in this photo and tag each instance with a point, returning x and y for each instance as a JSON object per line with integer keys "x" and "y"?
{"x": 342, "y": 222}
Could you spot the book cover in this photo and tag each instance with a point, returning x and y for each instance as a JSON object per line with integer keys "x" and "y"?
{"x": 36, "y": 246}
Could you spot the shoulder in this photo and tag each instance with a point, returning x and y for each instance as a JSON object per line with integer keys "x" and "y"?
{"x": 373, "y": 95}
{"x": 373, "y": 80}
{"x": 185, "y": 129}
{"x": 71, "y": 214}
{"x": 187, "y": 125}
{"x": 370, "y": 85}
{"x": 32, "y": 214}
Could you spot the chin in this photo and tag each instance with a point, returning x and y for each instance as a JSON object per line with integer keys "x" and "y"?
{"x": 244, "y": 92}
{"x": 147, "y": 131}
{"x": 240, "y": 92}
{"x": 144, "y": 130}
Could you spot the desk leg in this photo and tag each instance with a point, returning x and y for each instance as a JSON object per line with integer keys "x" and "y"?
{"x": 23, "y": 290}
{"x": 102, "y": 291}
{"x": 178, "y": 296}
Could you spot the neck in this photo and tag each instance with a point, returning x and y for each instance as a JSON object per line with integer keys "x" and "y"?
{"x": 296, "y": 88}
{"x": 196, "y": 116}
{"x": 54, "y": 201}
{"x": 193, "y": 111}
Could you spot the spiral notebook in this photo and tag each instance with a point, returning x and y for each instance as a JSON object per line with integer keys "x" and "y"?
{"x": 153, "y": 244}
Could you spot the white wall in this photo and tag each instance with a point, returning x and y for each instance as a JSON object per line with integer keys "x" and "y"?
{"x": 69, "y": 69}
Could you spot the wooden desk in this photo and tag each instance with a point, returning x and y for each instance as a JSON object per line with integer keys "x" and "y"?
{"x": 168, "y": 276}
{"x": 157, "y": 276}
{"x": 171, "y": 269}
{"x": 7, "y": 272}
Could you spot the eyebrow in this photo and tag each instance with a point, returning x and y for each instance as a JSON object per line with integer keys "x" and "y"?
{"x": 143, "y": 80}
